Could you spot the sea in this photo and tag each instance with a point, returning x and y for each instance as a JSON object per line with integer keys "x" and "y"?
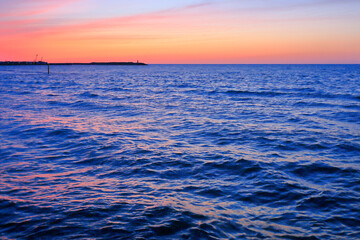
{"x": 180, "y": 152}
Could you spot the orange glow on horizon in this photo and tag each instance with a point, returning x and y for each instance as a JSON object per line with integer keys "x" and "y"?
{"x": 185, "y": 35}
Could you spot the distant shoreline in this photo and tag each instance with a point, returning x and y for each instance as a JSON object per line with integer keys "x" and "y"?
{"x": 22, "y": 63}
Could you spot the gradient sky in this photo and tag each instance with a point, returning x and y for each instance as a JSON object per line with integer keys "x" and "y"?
{"x": 181, "y": 31}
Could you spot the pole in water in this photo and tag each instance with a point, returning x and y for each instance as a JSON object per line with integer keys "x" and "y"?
{"x": 48, "y": 68}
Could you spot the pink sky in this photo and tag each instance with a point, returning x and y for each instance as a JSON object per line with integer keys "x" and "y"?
{"x": 187, "y": 31}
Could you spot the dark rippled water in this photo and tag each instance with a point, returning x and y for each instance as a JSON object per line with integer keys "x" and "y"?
{"x": 180, "y": 152}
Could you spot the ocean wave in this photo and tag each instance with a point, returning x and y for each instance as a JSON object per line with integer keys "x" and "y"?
{"x": 180, "y": 152}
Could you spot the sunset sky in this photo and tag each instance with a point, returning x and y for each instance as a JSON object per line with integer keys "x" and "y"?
{"x": 181, "y": 31}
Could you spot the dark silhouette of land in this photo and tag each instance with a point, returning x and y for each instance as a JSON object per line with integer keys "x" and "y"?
{"x": 10, "y": 63}
{"x": 22, "y": 63}
{"x": 101, "y": 63}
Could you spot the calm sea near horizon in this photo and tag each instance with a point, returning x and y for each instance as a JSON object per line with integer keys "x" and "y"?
{"x": 180, "y": 152}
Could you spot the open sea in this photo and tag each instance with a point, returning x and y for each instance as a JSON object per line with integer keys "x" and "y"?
{"x": 180, "y": 152}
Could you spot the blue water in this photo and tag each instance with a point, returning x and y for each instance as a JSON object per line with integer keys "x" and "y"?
{"x": 180, "y": 152}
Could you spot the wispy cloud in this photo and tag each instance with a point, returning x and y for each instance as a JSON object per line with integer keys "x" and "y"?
{"x": 25, "y": 8}
{"x": 155, "y": 19}
{"x": 207, "y": 13}
{"x": 279, "y": 5}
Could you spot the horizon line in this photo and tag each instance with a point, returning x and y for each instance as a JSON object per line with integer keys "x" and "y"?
{"x": 110, "y": 62}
